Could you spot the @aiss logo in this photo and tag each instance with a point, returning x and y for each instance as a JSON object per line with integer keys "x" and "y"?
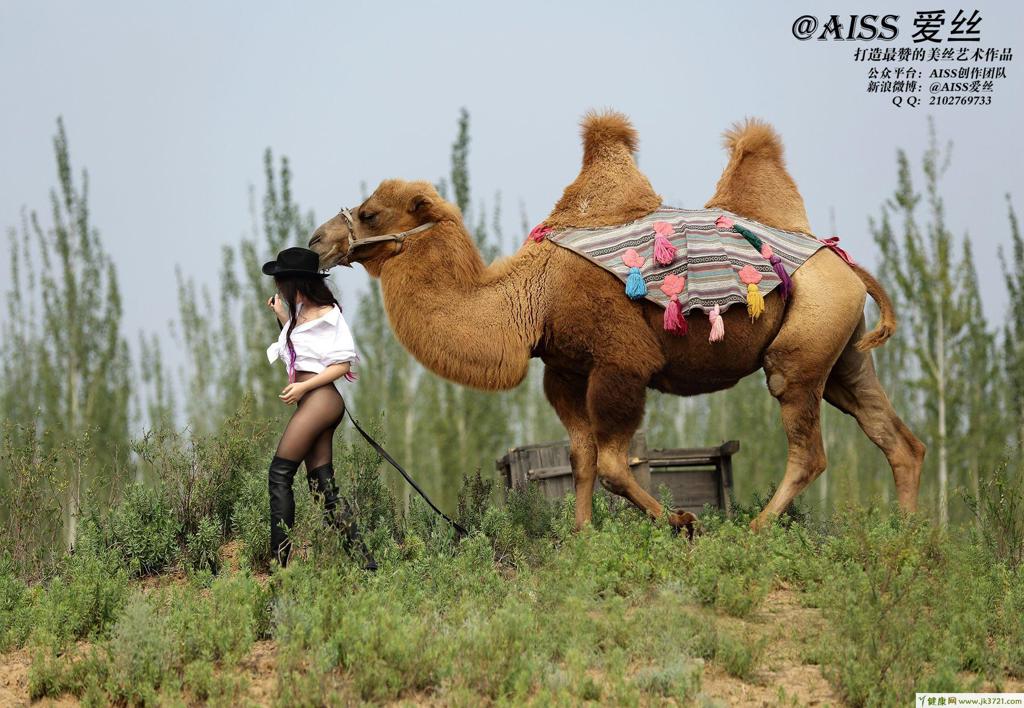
{"x": 847, "y": 28}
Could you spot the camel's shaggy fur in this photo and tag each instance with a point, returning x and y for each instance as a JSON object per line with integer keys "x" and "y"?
{"x": 479, "y": 324}
{"x": 609, "y": 189}
{"x": 755, "y": 182}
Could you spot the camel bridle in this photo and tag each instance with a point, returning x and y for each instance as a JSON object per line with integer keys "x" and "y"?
{"x": 354, "y": 243}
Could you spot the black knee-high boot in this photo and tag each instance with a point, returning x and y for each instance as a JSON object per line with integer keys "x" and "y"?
{"x": 324, "y": 491}
{"x": 282, "y": 506}
{"x": 322, "y": 486}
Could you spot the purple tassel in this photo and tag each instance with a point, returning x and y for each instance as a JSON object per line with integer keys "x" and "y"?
{"x": 785, "y": 284}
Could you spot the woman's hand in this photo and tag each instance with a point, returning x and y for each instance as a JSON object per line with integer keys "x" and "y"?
{"x": 293, "y": 392}
{"x": 276, "y": 303}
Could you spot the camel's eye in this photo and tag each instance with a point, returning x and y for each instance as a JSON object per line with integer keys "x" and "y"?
{"x": 367, "y": 216}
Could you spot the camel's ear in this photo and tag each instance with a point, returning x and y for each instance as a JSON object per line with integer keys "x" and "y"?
{"x": 420, "y": 204}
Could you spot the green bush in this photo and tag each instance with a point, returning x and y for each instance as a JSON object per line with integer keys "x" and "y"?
{"x": 679, "y": 679}
{"x": 141, "y": 655}
{"x": 998, "y": 509}
{"x": 82, "y": 601}
{"x": 33, "y": 485}
{"x": 202, "y": 547}
{"x": 16, "y": 602}
{"x": 221, "y": 626}
{"x": 202, "y": 475}
{"x": 731, "y": 570}
{"x": 474, "y": 500}
{"x": 141, "y": 530}
{"x": 250, "y": 520}
{"x": 889, "y": 601}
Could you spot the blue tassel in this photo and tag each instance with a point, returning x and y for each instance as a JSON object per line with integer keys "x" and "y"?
{"x": 635, "y": 285}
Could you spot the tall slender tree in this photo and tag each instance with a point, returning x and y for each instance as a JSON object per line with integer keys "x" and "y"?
{"x": 1013, "y": 330}
{"x": 936, "y": 308}
{"x": 72, "y": 365}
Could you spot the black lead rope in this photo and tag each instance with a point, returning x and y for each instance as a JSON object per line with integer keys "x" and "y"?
{"x": 384, "y": 453}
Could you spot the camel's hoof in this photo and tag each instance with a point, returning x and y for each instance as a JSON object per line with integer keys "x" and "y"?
{"x": 684, "y": 519}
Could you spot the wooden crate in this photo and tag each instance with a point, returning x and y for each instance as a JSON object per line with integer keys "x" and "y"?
{"x": 695, "y": 476}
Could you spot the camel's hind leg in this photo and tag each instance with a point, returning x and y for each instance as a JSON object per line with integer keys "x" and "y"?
{"x": 615, "y": 404}
{"x": 797, "y": 364}
{"x": 567, "y": 393}
{"x": 853, "y": 388}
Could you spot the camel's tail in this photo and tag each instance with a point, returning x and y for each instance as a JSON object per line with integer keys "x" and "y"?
{"x": 887, "y": 324}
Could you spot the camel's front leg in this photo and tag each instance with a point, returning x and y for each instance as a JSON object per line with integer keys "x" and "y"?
{"x": 615, "y": 402}
{"x": 567, "y": 393}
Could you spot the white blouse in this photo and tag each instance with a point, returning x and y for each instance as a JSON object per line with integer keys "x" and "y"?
{"x": 318, "y": 344}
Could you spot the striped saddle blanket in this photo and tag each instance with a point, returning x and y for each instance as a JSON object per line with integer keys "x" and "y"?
{"x": 716, "y": 255}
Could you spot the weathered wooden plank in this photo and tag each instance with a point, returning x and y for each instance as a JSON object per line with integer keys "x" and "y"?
{"x": 548, "y": 472}
{"x": 694, "y": 476}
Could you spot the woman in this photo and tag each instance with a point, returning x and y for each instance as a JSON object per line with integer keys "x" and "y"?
{"x": 317, "y": 349}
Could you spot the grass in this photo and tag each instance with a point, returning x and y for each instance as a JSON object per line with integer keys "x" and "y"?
{"x": 523, "y": 610}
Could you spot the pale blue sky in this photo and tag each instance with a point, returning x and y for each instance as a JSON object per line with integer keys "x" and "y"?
{"x": 170, "y": 110}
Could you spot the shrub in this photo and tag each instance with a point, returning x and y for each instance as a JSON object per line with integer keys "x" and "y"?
{"x": 474, "y": 497}
{"x": 679, "y": 679}
{"x": 141, "y": 654}
{"x": 82, "y": 601}
{"x": 998, "y": 509}
{"x": 736, "y": 653}
{"x": 359, "y": 476}
{"x": 202, "y": 476}
{"x": 141, "y": 529}
{"x": 219, "y": 627}
{"x": 250, "y": 519}
{"x": 16, "y": 602}
{"x": 201, "y": 548}
{"x": 888, "y": 600}
{"x": 33, "y": 485}
{"x": 730, "y": 570}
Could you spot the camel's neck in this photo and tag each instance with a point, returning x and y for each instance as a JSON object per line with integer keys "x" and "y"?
{"x": 470, "y": 323}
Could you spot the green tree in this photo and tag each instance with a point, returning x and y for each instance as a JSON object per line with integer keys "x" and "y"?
{"x": 940, "y": 318}
{"x": 1013, "y": 330}
{"x": 70, "y": 366}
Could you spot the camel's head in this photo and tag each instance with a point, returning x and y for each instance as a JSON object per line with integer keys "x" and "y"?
{"x": 331, "y": 239}
{"x": 377, "y": 229}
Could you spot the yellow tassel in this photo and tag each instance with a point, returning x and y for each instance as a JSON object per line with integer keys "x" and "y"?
{"x": 755, "y": 301}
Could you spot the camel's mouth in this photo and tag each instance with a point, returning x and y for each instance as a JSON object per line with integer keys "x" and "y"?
{"x": 332, "y": 241}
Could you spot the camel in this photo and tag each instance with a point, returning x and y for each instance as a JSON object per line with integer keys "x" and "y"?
{"x": 479, "y": 325}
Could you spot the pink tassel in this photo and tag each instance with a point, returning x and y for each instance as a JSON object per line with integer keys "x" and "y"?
{"x": 351, "y": 375}
{"x": 291, "y": 363}
{"x": 785, "y": 284}
{"x": 664, "y": 251}
{"x": 717, "y": 325}
{"x": 674, "y": 320}
{"x": 538, "y": 233}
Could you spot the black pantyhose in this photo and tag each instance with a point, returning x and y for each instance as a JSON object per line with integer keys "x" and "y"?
{"x": 310, "y": 431}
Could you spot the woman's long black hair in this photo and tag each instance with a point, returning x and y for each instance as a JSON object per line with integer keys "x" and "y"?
{"x": 314, "y": 290}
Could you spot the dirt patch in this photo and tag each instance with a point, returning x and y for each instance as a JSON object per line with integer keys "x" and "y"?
{"x": 14, "y": 668}
{"x": 14, "y": 678}
{"x": 260, "y": 667}
{"x": 782, "y": 676}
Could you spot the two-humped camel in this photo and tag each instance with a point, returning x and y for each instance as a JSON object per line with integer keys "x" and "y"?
{"x": 478, "y": 324}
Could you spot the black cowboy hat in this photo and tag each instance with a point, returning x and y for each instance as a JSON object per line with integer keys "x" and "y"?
{"x": 295, "y": 261}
